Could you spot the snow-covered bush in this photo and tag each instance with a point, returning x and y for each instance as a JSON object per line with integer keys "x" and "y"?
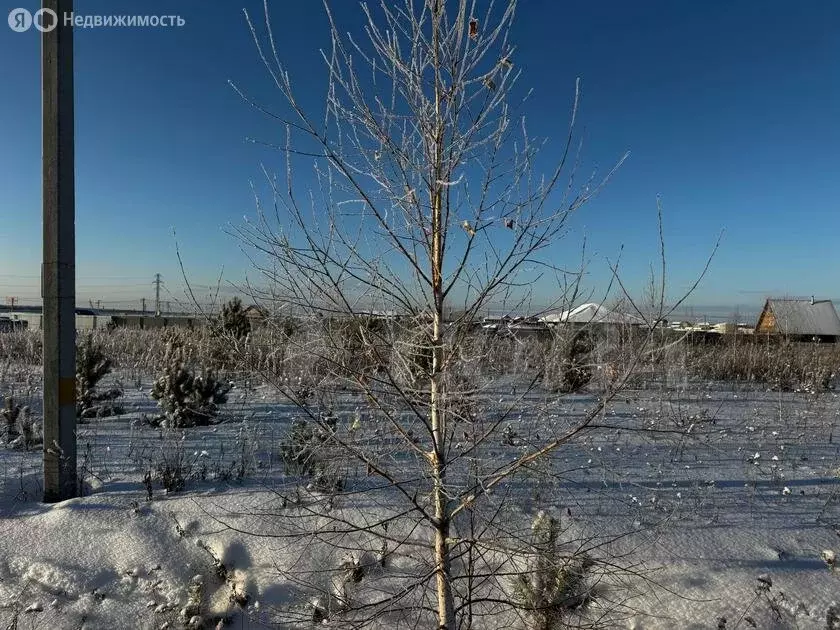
{"x": 22, "y": 430}
{"x": 222, "y": 345}
{"x": 358, "y": 344}
{"x": 303, "y": 450}
{"x": 832, "y": 617}
{"x": 10, "y": 414}
{"x": 187, "y": 397}
{"x": 191, "y": 613}
{"x": 569, "y": 364}
{"x": 22, "y": 346}
{"x": 233, "y": 321}
{"x": 173, "y": 467}
{"x": 555, "y": 584}
{"x": 91, "y": 367}
{"x": 414, "y": 361}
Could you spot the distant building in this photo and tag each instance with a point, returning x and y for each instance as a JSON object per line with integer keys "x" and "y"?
{"x": 514, "y": 326}
{"x": 593, "y": 314}
{"x": 256, "y": 315}
{"x": 31, "y": 318}
{"x": 7, "y": 324}
{"x": 86, "y": 319}
{"x": 803, "y": 320}
{"x": 148, "y": 322}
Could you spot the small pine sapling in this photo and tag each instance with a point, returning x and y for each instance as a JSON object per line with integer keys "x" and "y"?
{"x": 303, "y": 454}
{"x": 91, "y": 367}
{"x": 832, "y": 617}
{"x": 234, "y": 320}
{"x": 228, "y": 329}
{"x": 10, "y": 414}
{"x": 191, "y": 613}
{"x": 576, "y": 368}
{"x": 186, "y": 397}
{"x": 555, "y": 585}
{"x": 29, "y": 432}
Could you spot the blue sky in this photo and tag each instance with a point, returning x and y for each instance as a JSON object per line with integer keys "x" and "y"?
{"x": 729, "y": 110}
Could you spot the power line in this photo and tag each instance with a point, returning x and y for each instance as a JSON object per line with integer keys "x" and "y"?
{"x": 36, "y": 277}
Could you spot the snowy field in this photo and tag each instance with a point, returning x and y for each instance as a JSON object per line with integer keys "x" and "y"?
{"x": 707, "y": 494}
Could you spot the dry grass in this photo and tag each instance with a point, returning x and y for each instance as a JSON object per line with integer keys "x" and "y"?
{"x": 781, "y": 364}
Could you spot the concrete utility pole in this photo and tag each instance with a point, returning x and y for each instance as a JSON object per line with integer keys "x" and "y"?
{"x": 59, "y": 270}
{"x": 157, "y": 295}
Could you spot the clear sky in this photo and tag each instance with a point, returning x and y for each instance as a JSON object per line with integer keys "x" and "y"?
{"x": 730, "y": 110}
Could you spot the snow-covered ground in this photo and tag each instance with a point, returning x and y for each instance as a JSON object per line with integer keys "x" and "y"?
{"x": 724, "y": 485}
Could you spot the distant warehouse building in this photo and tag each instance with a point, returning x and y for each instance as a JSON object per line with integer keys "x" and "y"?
{"x": 86, "y": 319}
{"x": 89, "y": 319}
{"x": 147, "y": 322}
{"x": 802, "y": 320}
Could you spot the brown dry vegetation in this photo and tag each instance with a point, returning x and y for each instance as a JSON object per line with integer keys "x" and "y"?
{"x": 277, "y": 351}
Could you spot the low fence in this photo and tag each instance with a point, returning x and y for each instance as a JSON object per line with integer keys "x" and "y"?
{"x": 142, "y": 322}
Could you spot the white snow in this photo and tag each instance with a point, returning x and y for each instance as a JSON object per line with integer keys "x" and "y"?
{"x": 707, "y": 520}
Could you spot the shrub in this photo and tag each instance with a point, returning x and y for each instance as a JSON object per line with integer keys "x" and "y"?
{"x": 555, "y": 585}
{"x": 22, "y": 346}
{"x": 31, "y": 431}
{"x": 191, "y": 613}
{"x": 91, "y": 367}
{"x": 10, "y": 414}
{"x": 171, "y": 464}
{"x": 299, "y": 448}
{"x": 173, "y": 468}
{"x": 303, "y": 453}
{"x": 360, "y": 345}
{"x": 233, "y": 320}
{"x": 186, "y": 397}
{"x": 569, "y": 365}
{"x": 22, "y": 431}
{"x": 217, "y": 351}
{"x": 832, "y": 617}
{"x": 222, "y": 347}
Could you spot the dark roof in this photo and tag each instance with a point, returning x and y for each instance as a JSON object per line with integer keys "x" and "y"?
{"x": 805, "y": 317}
{"x": 256, "y": 311}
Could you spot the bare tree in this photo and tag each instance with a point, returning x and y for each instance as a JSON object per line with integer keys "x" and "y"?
{"x": 423, "y": 211}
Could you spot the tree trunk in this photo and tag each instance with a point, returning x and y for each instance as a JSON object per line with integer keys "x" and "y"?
{"x": 446, "y": 605}
{"x": 443, "y": 565}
